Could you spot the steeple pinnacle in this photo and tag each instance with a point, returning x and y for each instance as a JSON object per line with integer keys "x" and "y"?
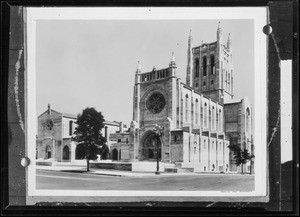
{"x": 49, "y": 109}
{"x": 138, "y": 68}
{"x": 229, "y": 42}
{"x": 173, "y": 57}
{"x": 172, "y": 63}
{"x": 219, "y": 32}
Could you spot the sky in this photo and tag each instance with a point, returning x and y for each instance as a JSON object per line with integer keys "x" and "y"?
{"x": 92, "y": 63}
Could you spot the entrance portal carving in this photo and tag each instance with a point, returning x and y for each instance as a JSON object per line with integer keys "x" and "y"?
{"x": 151, "y": 146}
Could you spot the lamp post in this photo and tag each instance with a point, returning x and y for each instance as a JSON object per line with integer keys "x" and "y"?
{"x": 158, "y": 130}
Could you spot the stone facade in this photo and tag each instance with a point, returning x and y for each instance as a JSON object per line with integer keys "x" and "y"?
{"x": 55, "y": 130}
{"x": 238, "y": 115}
{"x": 199, "y": 118}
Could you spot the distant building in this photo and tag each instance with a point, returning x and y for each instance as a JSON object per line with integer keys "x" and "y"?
{"x": 200, "y": 118}
{"x": 55, "y": 130}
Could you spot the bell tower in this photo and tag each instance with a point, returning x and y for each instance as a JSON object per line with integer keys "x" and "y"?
{"x": 212, "y": 71}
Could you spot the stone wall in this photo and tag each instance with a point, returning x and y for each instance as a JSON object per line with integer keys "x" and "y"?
{"x": 112, "y": 166}
{"x": 125, "y": 151}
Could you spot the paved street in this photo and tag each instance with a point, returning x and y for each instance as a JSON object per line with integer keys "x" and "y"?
{"x": 189, "y": 182}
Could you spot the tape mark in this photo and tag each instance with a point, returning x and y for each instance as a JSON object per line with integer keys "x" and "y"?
{"x": 275, "y": 129}
{"x": 276, "y": 45}
{"x": 16, "y": 88}
{"x": 211, "y": 204}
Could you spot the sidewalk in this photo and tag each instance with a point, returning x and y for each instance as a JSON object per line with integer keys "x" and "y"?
{"x": 82, "y": 169}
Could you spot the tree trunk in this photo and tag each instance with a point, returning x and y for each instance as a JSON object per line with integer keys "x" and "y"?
{"x": 242, "y": 165}
{"x": 87, "y": 165}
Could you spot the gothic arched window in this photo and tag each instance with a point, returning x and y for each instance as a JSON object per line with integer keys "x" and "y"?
{"x": 204, "y": 64}
{"x": 205, "y": 115}
{"x": 186, "y": 108}
{"x": 70, "y": 128}
{"x": 213, "y": 118}
{"x": 197, "y": 68}
{"x": 212, "y": 64}
{"x": 201, "y": 116}
{"x": 197, "y": 112}
{"x": 217, "y": 121}
{"x": 209, "y": 119}
{"x": 220, "y": 120}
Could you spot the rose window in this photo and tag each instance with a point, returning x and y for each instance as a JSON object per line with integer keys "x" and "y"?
{"x": 156, "y": 103}
{"x": 49, "y": 124}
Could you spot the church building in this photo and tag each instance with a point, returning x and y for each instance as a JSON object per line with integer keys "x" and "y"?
{"x": 199, "y": 118}
{"x": 55, "y": 130}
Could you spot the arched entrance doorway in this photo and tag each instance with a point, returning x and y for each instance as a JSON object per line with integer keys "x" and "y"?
{"x": 66, "y": 153}
{"x": 48, "y": 152}
{"x": 151, "y": 146}
{"x": 114, "y": 154}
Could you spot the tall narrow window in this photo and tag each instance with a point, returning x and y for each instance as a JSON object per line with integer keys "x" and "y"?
{"x": 212, "y": 64}
{"x": 197, "y": 112}
{"x": 197, "y": 68}
{"x": 226, "y": 81}
{"x": 205, "y": 115}
{"x": 70, "y": 128}
{"x": 217, "y": 121}
{"x": 186, "y": 108}
{"x": 181, "y": 112}
{"x": 201, "y": 116}
{"x": 213, "y": 118}
{"x": 220, "y": 120}
{"x": 204, "y": 64}
{"x": 247, "y": 120}
{"x": 209, "y": 119}
{"x": 221, "y": 70}
{"x": 192, "y": 111}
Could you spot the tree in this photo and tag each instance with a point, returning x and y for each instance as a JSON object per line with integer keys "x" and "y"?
{"x": 241, "y": 156}
{"x": 88, "y": 134}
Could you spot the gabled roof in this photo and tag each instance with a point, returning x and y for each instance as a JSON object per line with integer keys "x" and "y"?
{"x": 62, "y": 114}
{"x": 69, "y": 115}
{"x": 51, "y": 111}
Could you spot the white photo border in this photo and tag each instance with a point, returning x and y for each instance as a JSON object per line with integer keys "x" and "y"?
{"x": 258, "y": 14}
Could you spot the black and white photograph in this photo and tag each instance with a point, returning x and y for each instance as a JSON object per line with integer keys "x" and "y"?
{"x": 147, "y": 102}
{"x": 151, "y": 108}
